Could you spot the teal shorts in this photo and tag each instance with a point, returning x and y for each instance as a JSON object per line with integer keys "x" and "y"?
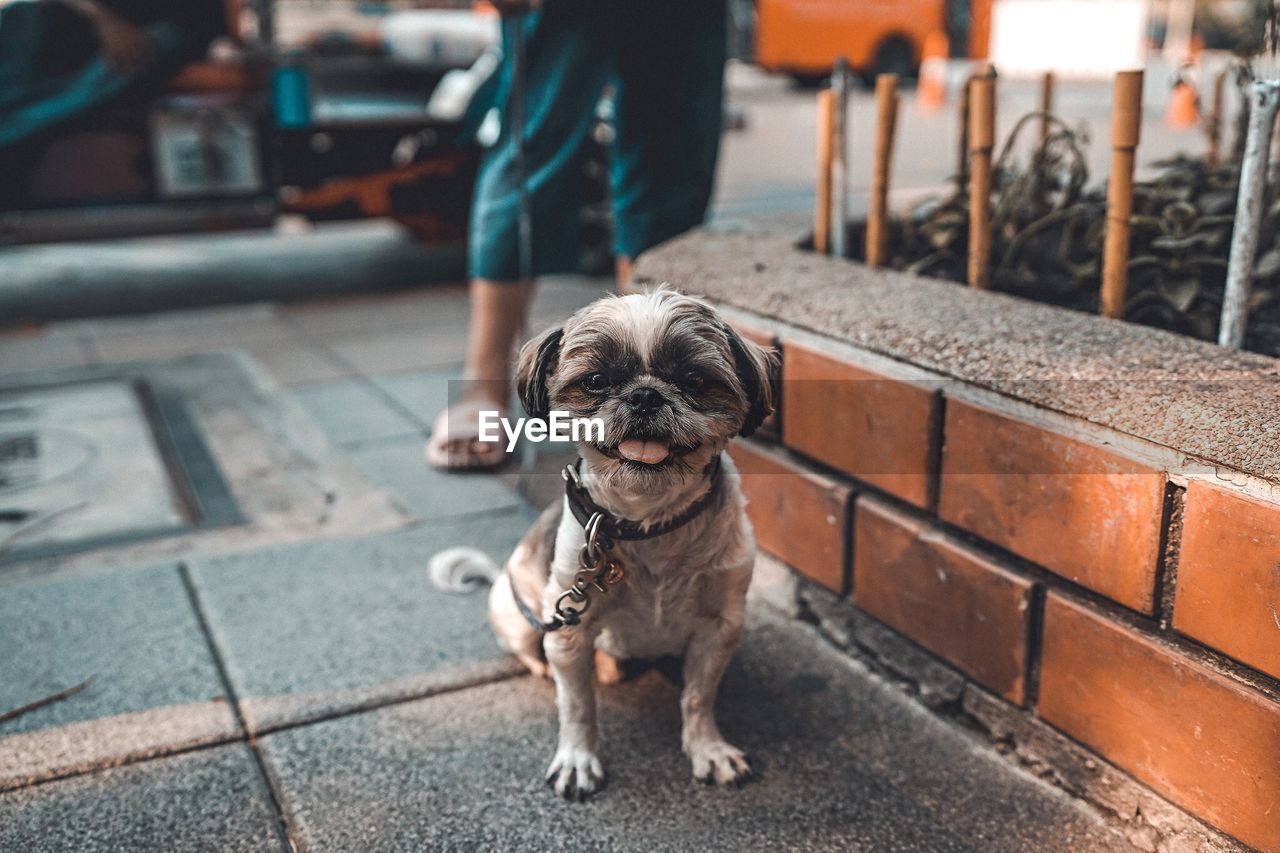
{"x": 663, "y": 61}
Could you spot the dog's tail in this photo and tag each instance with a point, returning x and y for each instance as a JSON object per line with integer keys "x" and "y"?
{"x": 462, "y": 570}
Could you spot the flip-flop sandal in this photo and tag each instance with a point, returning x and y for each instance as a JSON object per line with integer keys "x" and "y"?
{"x": 460, "y": 449}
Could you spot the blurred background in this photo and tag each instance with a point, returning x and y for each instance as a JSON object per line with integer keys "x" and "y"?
{"x": 305, "y": 147}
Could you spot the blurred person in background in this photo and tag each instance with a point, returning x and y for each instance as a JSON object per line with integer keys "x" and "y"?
{"x": 664, "y": 61}
{"x": 62, "y": 58}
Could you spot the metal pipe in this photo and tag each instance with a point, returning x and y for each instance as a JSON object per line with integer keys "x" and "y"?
{"x": 1264, "y": 99}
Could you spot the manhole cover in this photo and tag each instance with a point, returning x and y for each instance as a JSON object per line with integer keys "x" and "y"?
{"x": 101, "y": 462}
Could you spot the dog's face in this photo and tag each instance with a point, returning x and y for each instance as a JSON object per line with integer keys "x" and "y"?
{"x": 672, "y": 382}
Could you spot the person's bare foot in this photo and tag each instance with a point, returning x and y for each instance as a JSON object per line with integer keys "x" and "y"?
{"x": 455, "y": 443}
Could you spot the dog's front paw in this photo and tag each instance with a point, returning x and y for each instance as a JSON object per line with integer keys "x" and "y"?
{"x": 720, "y": 762}
{"x": 575, "y": 773}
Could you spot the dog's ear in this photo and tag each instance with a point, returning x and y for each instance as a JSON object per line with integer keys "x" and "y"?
{"x": 757, "y": 370}
{"x": 537, "y": 361}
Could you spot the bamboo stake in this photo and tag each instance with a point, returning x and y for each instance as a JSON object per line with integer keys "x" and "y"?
{"x": 1214, "y": 131}
{"x": 1126, "y": 126}
{"x": 962, "y": 159}
{"x": 982, "y": 138}
{"x": 822, "y": 200}
{"x": 839, "y": 166}
{"x": 1046, "y": 104}
{"x": 886, "y": 125}
{"x": 1275, "y": 151}
{"x": 1264, "y": 97}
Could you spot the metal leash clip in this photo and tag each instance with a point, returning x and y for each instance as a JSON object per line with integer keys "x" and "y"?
{"x": 597, "y": 571}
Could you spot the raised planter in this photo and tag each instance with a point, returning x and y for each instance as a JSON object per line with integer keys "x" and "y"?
{"x": 1080, "y": 515}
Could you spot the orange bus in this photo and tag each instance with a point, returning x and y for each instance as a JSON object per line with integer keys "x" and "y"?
{"x": 803, "y": 37}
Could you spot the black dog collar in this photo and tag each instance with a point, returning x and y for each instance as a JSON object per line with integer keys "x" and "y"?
{"x": 615, "y": 529}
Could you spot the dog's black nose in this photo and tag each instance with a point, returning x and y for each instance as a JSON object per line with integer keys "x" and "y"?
{"x": 645, "y": 401}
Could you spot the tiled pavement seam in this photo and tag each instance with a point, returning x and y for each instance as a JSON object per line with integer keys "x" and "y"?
{"x": 273, "y": 793}
{"x": 247, "y": 735}
{"x": 271, "y": 781}
{"x": 367, "y": 380}
{"x": 153, "y": 687}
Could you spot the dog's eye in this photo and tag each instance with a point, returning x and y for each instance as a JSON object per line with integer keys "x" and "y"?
{"x": 692, "y": 379}
{"x": 596, "y": 382}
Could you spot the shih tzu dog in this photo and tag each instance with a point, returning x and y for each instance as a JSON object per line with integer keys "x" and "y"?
{"x": 650, "y": 551}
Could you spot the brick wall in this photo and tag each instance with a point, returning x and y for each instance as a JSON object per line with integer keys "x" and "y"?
{"x": 1135, "y": 611}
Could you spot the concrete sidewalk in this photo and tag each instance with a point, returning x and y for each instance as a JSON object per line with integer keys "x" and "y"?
{"x": 320, "y": 694}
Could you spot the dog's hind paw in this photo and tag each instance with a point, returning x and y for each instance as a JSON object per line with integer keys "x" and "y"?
{"x": 720, "y": 762}
{"x": 575, "y": 773}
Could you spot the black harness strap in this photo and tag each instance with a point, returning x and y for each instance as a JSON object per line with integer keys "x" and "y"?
{"x": 556, "y": 622}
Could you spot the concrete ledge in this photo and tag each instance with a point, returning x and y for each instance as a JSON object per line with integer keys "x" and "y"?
{"x": 1199, "y": 399}
{"x": 1095, "y": 481}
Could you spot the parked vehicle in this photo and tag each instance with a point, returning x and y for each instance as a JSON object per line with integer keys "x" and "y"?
{"x": 803, "y": 38}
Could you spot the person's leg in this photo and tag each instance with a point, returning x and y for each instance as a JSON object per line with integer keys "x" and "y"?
{"x": 622, "y": 269}
{"x": 497, "y": 314}
{"x": 568, "y": 57}
{"x": 669, "y": 115}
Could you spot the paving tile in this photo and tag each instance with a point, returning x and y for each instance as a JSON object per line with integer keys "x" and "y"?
{"x": 295, "y": 362}
{"x": 1081, "y": 510}
{"x": 154, "y": 688}
{"x": 535, "y": 475}
{"x": 25, "y": 350}
{"x": 424, "y": 491}
{"x": 559, "y": 296}
{"x": 350, "y": 411}
{"x": 799, "y": 516}
{"x": 418, "y": 308}
{"x": 423, "y": 393}
{"x": 398, "y": 350}
{"x": 963, "y": 606}
{"x": 1205, "y": 741}
{"x": 313, "y": 629}
{"x": 229, "y": 316}
{"x": 883, "y": 431}
{"x": 186, "y": 333}
{"x": 847, "y": 763}
{"x": 213, "y": 799}
{"x": 1228, "y": 592}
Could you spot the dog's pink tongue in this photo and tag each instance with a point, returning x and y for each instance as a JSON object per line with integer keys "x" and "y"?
{"x": 648, "y": 451}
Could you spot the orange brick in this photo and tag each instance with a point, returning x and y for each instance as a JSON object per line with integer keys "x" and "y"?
{"x": 882, "y": 431}
{"x": 1084, "y": 512}
{"x": 1228, "y": 593}
{"x": 800, "y": 517}
{"x": 960, "y": 605}
{"x": 1207, "y": 743}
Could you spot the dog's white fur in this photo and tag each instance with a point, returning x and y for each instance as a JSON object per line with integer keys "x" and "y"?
{"x": 684, "y": 592}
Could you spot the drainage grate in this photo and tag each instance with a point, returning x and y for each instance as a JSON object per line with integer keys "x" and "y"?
{"x": 102, "y": 462}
